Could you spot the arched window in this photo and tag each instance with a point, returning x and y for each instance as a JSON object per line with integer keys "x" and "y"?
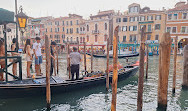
{"x": 95, "y": 38}
{"x": 96, "y": 27}
{"x": 83, "y": 39}
{"x": 80, "y": 39}
{"x": 87, "y": 27}
{"x": 105, "y": 26}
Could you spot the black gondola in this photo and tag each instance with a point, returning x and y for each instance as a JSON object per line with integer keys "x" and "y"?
{"x": 119, "y": 56}
{"x": 30, "y": 87}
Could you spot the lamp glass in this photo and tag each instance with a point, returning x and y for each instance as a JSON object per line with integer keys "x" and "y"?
{"x": 22, "y": 22}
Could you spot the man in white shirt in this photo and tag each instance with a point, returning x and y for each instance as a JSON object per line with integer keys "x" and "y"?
{"x": 75, "y": 59}
{"x": 38, "y": 56}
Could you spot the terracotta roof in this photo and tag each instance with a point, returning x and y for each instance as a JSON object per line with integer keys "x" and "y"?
{"x": 151, "y": 11}
{"x": 181, "y": 8}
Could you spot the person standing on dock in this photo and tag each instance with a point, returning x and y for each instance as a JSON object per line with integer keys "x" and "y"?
{"x": 38, "y": 56}
{"x": 53, "y": 44}
{"x": 75, "y": 59}
{"x": 2, "y": 61}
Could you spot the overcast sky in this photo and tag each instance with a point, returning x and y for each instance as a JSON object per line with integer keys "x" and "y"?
{"x": 56, "y": 8}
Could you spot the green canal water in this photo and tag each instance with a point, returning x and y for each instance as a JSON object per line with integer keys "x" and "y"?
{"x": 98, "y": 99}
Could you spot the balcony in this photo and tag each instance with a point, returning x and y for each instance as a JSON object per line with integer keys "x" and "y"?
{"x": 82, "y": 32}
{"x": 95, "y": 31}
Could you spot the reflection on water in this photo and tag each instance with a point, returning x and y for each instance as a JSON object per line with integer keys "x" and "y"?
{"x": 97, "y": 99}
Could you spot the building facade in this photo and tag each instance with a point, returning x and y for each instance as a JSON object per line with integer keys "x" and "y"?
{"x": 177, "y": 21}
{"x": 130, "y": 23}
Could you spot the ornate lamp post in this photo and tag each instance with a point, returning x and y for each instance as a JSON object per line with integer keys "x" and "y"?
{"x": 22, "y": 21}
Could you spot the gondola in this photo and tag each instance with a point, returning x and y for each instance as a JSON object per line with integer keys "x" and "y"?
{"x": 36, "y": 87}
{"x": 119, "y": 55}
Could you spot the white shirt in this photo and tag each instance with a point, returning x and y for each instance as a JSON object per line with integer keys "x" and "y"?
{"x": 37, "y": 47}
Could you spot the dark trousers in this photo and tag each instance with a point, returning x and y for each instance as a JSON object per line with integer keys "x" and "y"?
{"x": 75, "y": 69}
{"x": 52, "y": 67}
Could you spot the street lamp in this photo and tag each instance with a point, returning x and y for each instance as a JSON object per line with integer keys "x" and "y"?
{"x": 22, "y": 20}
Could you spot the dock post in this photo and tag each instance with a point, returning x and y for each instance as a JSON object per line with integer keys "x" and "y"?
{"x": 147, "y": 55}
{"x": 91, "y": 58}
{"x": 164, "y": 63}
{"x": 57, "y": 49}
{"x": 141, "y": 70}
{"x": 85, "y": 57}
{"x": 115, "y": 70}
{"x": 185, "y": 67}
{"x": 175, "y": 58}
{"x": 107, "y": 66}
{"x": 68, "y": 60}
{"x": 48, "y": 63}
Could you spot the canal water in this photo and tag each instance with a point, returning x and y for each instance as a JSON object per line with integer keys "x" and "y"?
{"x": 98, "y": 99}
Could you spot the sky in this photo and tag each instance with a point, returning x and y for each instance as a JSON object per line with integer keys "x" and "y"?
{"x": 57, "y": 8}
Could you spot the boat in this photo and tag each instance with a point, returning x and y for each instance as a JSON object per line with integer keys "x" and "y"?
{"x": 119, "y": 55}
{"x": 37, "y": 87}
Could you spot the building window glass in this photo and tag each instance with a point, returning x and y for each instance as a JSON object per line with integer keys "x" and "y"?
{"x": 135, "y": 18}
{"x": 130, "y": 39}
{"x": 87, "y": 27}
{"x": 169, "y": 16}
{"x": 158, "y": 17}
{"x": 142, "y": 18}
{"x": 124, "y": 19}
{"x": 173, "y": 29}
{"x": 95, "y": 38}
{"x": 80, "y": 39}
{"x": 119, "y": 29}
{"x": 67, "y": 22}
{"x": 124, "y": 38}
{"x": 183, "y": 29}
{"x": 63, "y": 29}
{"x": 156, "y": 37}
{"x": 77, "y": 30}
{"x": 77, "y": 22}
{"x": 131, "y": 19}
{"x": 118, "y": 20}
{"x": 168, "y": 29}
{"x": 148, "y": 37}
{"x": 157, "y": 26}
{"x": 149, "y": 28}
{"x": 77, "y": 39}
{"x": 124, "y": 28}
{"x": 63, "y": 23}
{"x": 67, "y": 39}
{"x": 70, "y": 22}
{"x": 51, "y": 30}
{"x": 105, "y": 26}
{"x": 175, "y": 16}
{"x": 184, "y": 16}
{"x": 149, "y": 17}
{"x": 67, "y": 31}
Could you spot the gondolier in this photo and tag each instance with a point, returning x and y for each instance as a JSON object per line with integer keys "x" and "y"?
{"x": 75, "y": 59}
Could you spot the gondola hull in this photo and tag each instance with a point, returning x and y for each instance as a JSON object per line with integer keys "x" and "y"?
{"x": 119, "y": 56}
{"x": 29, "y": 90}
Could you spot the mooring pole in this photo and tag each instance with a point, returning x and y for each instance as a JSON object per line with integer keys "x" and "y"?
{"x": 57, "y": 49}
{"x": 175, "y": 58}
{"x": 48, "y": 94}
{"x": 185, "y": 67}
{"x": 85, "y": 57}
{"x": 107, "y": 65}
{"x": 91, "y": 57}
{"x": 147, "y": 53}
{"x": 54, "y": 63}
{"x": 141, "y": 70}
{"x": 164, "y": 63}
{"x": 78, "y": 47}
{"x": 115, "y": 69}
{"x": 68, "y": 60}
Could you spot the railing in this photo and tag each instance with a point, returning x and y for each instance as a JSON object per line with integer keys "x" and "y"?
{"x": 82, "y": 32}
{"x": 95, "y": 31}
